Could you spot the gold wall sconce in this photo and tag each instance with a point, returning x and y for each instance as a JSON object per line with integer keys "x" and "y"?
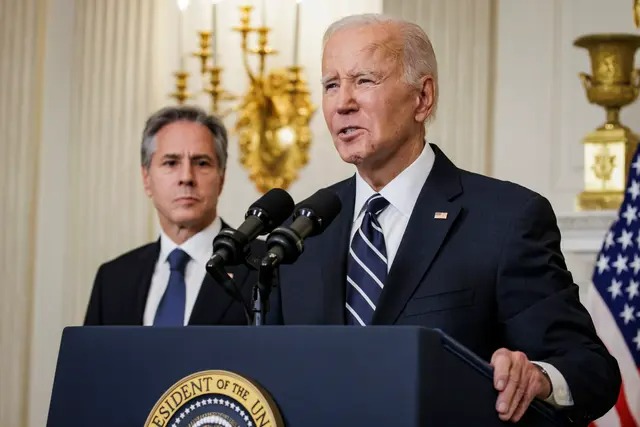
{"x": 272, "y": 116}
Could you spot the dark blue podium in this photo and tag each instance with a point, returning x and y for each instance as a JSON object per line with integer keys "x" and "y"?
{"x": 317, "y": 375}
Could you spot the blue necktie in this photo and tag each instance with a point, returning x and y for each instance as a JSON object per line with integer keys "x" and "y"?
{"x": 366, "y": 265}
{"x": 171, "y": 308}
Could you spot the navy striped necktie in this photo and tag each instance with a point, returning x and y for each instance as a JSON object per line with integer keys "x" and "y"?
{"x": 366, "y": 265}
{"x": 172, "y": 305}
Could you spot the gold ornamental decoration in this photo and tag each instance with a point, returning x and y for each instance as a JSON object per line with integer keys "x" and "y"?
{"x": 273, "y": 116}
{"x": 273, "y": 129}
{"x": 608, "y": 150}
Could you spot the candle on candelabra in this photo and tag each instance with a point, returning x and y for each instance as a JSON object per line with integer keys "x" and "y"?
{"x": 264, "y": 13}
{"x": 214, "y": 32}
{"x": 296, "y": 33}
{"x": 180, "y": 41}
{"x": 182, "y": 6}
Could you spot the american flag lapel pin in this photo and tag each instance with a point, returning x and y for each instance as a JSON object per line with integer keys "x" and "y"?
{"x": 440, "y": 215}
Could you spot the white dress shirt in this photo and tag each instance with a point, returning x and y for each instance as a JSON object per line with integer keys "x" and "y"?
{"x": 402, "y": 194}
{"x": 199, "y": 248}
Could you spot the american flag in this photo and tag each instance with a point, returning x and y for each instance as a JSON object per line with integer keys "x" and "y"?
{"x": 615, "y": 304}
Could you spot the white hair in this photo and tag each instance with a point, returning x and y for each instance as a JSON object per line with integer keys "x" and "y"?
{"x": 418, "y": 59}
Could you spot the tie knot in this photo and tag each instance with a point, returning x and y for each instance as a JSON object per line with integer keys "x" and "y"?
{"x": 376, "y": 204}
{"x": 178, "y": 260}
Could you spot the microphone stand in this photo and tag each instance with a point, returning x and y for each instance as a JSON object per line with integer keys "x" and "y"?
{"x": 262, "y": 290}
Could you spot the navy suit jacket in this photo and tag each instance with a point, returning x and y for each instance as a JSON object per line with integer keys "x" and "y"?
{"x": 491, "y": 275}
{"x": 121, "y": 286}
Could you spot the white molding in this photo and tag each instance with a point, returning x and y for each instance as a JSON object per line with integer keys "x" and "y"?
{"x": 582, "y": 237}
{"x": 20, "y": 103}
{"x": 52, "y": 208}
{"x": 584, "y": 232}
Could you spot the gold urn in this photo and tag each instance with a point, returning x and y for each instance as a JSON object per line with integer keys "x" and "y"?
{"x": 608, "y": 150}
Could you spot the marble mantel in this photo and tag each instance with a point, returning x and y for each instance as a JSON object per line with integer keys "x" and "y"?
{"x": 583, "y": 232}
{"x": 582, "y": 236}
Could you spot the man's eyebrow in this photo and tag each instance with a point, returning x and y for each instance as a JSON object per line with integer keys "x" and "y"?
{"x": 360, "y": 73}
{"x": 197, "y": 156}
{"x": 353, "y": 75}
{"x": 326, "y": 79}
{"x": 201, "y": 156}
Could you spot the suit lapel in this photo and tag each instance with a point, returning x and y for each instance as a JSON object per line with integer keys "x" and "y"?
{"x": 213, "y": 301}
{"x": 142, "y": 280}
{"x": 334, "y": 268}
{"x": 425, "y": 234}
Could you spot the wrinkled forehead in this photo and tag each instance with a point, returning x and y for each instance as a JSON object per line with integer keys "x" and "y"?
{"x": 349, "y": 50}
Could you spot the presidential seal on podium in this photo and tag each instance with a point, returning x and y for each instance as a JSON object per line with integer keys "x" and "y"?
{"x": 215, "y": 399}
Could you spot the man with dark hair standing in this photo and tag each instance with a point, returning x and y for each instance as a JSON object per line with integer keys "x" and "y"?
{"x": 422, "y": 242}
{"x": 183, "y": 157}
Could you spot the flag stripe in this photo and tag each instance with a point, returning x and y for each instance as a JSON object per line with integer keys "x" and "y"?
{"x": 622, "y": 408}
{"x": 610, "y": 419}
{"x": 614, "y": 341}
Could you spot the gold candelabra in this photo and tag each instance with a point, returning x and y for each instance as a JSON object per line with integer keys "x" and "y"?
{"x": 272, "y": 117}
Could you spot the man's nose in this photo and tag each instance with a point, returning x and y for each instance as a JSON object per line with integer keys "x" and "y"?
{"x": 186, "y": 173}
{"x": 346, "y": 100}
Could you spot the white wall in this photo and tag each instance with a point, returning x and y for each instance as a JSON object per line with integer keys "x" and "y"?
{"x": 541, "y": 111}
{"x": 21, "y": 36}
{"x": 52, "y": 211}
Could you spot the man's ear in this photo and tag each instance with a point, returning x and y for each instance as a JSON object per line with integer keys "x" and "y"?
{"x": 146, "y": 181}
{"x": 425, "y": 99}
{"x": 222, "y": 175}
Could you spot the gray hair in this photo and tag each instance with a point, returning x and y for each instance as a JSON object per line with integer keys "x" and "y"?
{"x": 419, "y": 58}
{"x": 168, "y": 115}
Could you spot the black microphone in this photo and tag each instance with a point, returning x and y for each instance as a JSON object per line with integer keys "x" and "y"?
{"x": 311, "y": 217}
{"x": 265, "y": 214}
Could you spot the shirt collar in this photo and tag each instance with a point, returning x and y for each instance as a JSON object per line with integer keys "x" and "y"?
{"x": 403, "y": 191}
{"x": 198, "y": 247}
